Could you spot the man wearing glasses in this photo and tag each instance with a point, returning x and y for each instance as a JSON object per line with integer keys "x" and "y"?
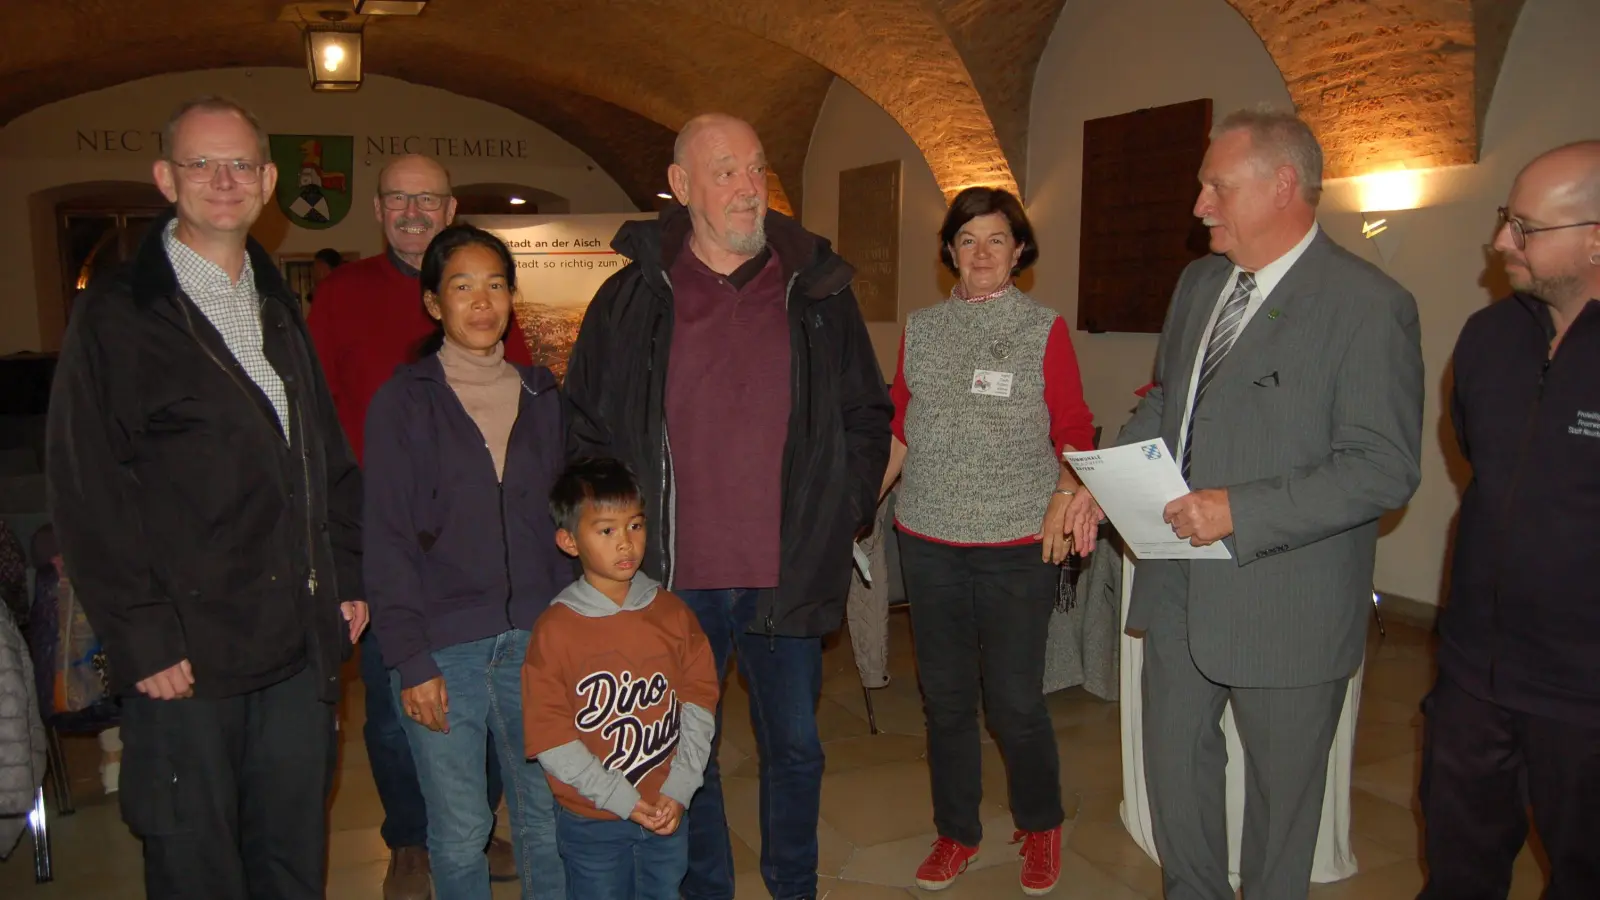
{"x": 209, "y": 511}
{"x": 1514, "y": 717}
{"x": 367, "y": 321}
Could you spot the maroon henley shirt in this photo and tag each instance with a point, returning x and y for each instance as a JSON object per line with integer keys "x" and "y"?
{"x": 727, "y": 421}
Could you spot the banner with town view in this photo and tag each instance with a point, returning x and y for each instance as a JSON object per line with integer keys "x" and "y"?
{"x": 561, "y": 262}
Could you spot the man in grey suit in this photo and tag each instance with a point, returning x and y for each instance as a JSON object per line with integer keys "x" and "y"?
{"x": 1289, "y": 383}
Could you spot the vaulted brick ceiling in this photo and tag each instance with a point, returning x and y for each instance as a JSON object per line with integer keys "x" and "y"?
{"x": 1383, "y": 82}
{"x": 1386, "y": 83}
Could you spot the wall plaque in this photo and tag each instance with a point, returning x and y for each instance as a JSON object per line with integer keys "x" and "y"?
{"x": 869, "y": 237}
{"x": 1139, "y": 231}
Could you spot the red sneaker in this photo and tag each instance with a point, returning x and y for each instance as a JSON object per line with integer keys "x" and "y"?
{"x": 1041, "y": 860}
{"x": 948, "y": 859}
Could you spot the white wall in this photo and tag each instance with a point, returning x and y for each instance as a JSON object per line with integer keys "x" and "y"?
{"x": 1106, "y": 59}
{"x": 41, "y": 150}
{"x": 853, "y": 131}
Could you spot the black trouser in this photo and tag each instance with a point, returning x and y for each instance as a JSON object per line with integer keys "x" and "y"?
{"x": 979, "y": 617}
{"x": 230, "y": 796}
{"x": 1482, "y": 765}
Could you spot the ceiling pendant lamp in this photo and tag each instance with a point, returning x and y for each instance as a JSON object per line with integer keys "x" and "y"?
{"x": 333, "y": 53}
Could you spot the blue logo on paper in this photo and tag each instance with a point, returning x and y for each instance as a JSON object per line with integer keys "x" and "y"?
{"x": 1152, "y": 451}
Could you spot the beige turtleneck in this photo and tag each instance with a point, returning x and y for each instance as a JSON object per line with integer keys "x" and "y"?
{"x": 490, "y": 389}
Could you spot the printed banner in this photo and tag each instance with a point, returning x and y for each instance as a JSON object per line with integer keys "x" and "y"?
{"x": 561, "y": 263}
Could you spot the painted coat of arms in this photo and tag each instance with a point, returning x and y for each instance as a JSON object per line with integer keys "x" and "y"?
{"x": 314, "y": 175}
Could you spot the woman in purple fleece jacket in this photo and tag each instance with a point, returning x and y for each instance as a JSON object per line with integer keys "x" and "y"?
{"x": 462, "y": 450}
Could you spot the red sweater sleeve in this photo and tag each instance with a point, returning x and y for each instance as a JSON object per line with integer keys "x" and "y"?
{"x": 1071, "y": 422}
{"x": 901, "y": 394}
{"x": 328, "y": 325}
{"x": 517, "y": 343}
{"x": 319, "y": 322}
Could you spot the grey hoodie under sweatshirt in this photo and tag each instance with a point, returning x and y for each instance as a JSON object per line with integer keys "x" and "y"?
{"x": 574, "y": 764}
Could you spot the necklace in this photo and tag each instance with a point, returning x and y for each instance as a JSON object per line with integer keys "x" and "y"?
{"x": 956, "y": 292}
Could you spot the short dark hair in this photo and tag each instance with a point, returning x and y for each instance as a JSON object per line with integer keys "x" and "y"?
{"x": 981, "y": 201}
{"x": 599, "y": 480}
{"x": 443, "y": 246}
{"x": 328, "y": 255}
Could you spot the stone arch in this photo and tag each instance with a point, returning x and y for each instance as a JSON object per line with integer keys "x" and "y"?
{"x": 902, "y": 55}
{"x": 1383, "y": 82}
{"x": 1387, "y": 83}
{"x": 494, "y": 199}
{"x": 1380, "y": 83}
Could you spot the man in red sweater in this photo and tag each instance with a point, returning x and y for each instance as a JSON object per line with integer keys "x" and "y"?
{"x": 368, "y": 319}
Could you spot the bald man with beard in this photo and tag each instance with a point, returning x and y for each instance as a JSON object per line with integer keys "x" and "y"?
{"x": 368, "y": 320}
{"x": 735, "y": 329}
{"x": 1514, "y": 717}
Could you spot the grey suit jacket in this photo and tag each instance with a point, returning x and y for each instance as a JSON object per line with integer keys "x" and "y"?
{"x": 1313, "y": 423}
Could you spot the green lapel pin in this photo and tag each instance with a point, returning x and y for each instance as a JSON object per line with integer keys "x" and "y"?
{"x": 1274, "y": 313}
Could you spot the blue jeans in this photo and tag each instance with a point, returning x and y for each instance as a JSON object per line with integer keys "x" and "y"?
{"x": 405, "y": 816}
{"x": 483, "y": 680}
{"x": 785, "y": 678}
{"x": 614, "y": 859}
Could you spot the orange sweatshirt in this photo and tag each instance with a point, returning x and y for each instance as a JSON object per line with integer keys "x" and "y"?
{"x": 618, "y": 703}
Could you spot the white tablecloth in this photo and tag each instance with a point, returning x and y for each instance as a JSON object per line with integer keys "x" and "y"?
{"x": 1334, "y": 860}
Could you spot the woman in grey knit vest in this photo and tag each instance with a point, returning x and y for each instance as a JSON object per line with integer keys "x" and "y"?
{"x": 987, "y": 397}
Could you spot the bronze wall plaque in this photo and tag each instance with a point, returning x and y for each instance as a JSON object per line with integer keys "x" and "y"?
{"x": 869, "y": 236}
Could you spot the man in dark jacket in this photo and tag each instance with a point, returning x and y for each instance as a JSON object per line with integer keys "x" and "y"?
{"x": 1515, "y": 715}
{"x": 208, "y": 509}
{"x": 760, "y": 449}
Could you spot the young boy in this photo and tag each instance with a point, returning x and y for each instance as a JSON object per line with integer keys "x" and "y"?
{"x": 619, "y": 691}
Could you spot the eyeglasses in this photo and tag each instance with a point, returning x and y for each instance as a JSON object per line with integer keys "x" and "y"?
{"x": 202, "y": 170}
{"x": 398, "y": 200}
{"x": 1520, "y": 232}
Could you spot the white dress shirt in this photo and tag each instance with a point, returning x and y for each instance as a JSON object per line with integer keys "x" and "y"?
{"x": 1267, "y": 278}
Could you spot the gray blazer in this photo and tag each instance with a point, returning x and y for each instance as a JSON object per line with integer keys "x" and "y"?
{"x": 1313, "y": 423}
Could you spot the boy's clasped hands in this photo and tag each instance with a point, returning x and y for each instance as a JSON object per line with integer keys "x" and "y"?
{"x": 662, "y": 818}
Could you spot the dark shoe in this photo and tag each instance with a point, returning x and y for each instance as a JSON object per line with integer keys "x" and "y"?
{"x": 409, "y": 876}
{"x": 502, "y": 862}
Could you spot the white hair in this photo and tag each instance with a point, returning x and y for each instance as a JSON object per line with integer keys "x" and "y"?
{"x": 1280, "y": 138}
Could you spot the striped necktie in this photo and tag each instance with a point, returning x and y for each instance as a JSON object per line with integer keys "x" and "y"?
{"x": 1223, "y": 335}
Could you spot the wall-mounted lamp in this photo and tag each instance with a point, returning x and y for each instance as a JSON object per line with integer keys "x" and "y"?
{"x": 1385, "y": 197}
{"x": 390, "y": 7}
{"x": 333, "y": 53}
{"x": 1381, "y": 228}
{"x": 516, "y": 201}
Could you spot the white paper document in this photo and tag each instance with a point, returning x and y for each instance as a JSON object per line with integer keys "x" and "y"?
{"x": 863, "y": 565}
{"x": 1134, "y": 484}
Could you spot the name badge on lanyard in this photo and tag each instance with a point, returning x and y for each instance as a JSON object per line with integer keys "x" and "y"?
{"x": 993, "y": 384}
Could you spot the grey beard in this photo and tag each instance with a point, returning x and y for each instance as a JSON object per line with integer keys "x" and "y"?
{"x": 1555, "y": 290}
{"x": 748, "y": 243}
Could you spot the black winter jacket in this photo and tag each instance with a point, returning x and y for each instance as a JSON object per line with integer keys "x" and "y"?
{"x": 1522, "y": 623}
{"x": 838, "y": 440}
{"x": 189, "y": 526}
